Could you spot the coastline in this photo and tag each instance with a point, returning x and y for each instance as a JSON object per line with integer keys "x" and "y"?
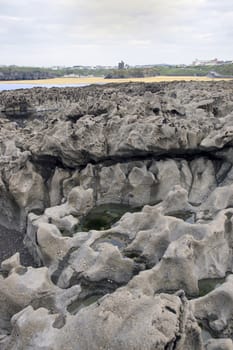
{"x": 99, "y": 80}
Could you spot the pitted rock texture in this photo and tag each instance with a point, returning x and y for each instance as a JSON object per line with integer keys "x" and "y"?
{"x": 163, "y": 150}
{"x": 75, "y": 126}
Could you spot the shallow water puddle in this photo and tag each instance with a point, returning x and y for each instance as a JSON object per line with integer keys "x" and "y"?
{"x": 78, "y": 304}
{"x": 207, "y": 285}
{"x": 104, "y": 216}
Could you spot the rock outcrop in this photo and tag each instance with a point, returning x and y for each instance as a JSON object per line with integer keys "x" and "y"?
{"x": 123, "y": 196}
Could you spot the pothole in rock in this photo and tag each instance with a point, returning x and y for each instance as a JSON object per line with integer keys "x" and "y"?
{"x": 12, "y": 242}
{"x": 117, "y": 240}
{"x": 141, "y": 260}
{"x": 187, "y": 216}
{"x": 79, "y": 304}
{"x": 207, "y": 285}
{"x": 104, "y": 216}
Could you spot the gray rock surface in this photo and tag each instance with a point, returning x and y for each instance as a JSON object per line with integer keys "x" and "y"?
{"x": 215, "y": 309}
{"x": 114, "y": 323}
{"x": 146, "y": 270}
{"x": 219, "y": 344}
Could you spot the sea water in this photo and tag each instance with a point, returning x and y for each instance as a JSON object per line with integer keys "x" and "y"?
{"x": 7, "y": 86}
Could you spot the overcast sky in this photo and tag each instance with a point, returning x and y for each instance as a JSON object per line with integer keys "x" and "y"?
{"x": 90, "y": 32}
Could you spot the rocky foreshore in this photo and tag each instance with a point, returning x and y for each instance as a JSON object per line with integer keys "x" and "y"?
{"x": 123, "y": 196}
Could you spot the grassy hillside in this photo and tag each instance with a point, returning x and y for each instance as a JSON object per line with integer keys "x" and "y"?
{"x": 35, "y": 73}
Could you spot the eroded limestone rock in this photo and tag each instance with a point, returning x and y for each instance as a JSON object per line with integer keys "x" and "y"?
{"x": 114, "y": 323}
{"x": 219, "y": 344}
{"x": 29, "y": 286}
{"x": 214, "y": 310}
{"x": 164, "y": 148}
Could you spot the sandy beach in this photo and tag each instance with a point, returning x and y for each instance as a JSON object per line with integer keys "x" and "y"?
{"x": 101, "y": 80}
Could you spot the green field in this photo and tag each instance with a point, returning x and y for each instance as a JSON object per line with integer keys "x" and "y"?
{"x": 34, "y": 73}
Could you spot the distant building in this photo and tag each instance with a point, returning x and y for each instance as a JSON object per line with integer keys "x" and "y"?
{"x": 213, "y": 62}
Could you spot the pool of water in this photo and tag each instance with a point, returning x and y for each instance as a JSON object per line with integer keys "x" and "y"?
{"x": 77, "y": 305}
{"x": 207, "y": 285}
{"x": 104, "y": 216}
{"x": 7, "y": 86}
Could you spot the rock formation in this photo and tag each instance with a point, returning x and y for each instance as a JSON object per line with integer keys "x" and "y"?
{"x": 123, "y": 197}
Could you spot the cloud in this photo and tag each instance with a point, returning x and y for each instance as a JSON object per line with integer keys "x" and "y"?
{"x": 104, "y": 31}
{"x": 140, "y": 43}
